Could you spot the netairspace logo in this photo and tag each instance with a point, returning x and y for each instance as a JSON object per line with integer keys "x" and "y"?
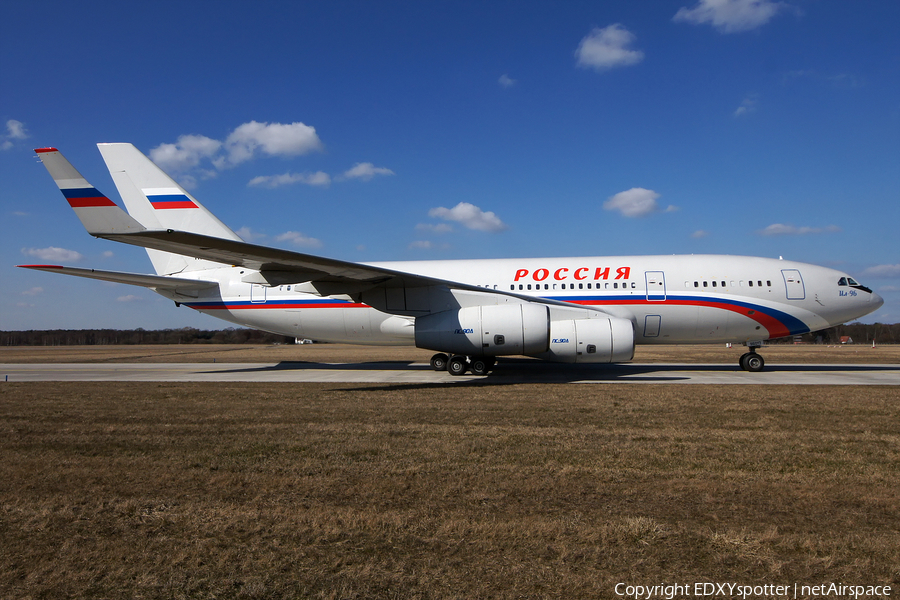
{"x": 737, "y": 590}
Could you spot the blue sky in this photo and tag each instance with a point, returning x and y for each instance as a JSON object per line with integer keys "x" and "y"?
{"x": 399, "y": 130}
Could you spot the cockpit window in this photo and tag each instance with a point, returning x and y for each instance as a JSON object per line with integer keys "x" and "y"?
{"x": 842, "y": 281}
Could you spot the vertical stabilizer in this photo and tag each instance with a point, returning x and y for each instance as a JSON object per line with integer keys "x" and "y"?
{"x": 155, "y": 199}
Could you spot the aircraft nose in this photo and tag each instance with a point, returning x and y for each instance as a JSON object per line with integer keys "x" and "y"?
{"x": 876, "y": 301}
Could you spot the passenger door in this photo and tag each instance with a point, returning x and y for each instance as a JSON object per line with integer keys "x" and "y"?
{"x": 793, "y": 284}
{"x": 656, "y": 286}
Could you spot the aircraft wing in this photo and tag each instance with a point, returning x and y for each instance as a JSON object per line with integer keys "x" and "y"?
{"x": 150, "y": 281}
{"x": 392, "y": 291}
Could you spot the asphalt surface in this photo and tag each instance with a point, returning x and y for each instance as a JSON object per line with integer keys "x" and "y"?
{"x": 506, "y": 372}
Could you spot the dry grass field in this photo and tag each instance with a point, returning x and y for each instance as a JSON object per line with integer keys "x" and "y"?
{"x": 470, "y": 490}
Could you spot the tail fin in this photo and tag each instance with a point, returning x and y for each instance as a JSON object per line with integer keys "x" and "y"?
{"x": 156, "y": 200}
{"x": 97, "y": 213}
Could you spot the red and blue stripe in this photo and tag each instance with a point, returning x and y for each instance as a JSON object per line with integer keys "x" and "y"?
{"x": 275, "y": 304}
{"x": 778, "y": 323}
{"x": 82, "y": 197}
{"x": 168, "y": 201}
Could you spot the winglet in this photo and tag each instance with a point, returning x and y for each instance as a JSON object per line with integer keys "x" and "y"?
{"x": 97, "y": 213}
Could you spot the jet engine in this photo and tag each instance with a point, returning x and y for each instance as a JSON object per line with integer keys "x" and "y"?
{"x": 526, "y": 329}
{"x": 491, "y": 330}
{"x": 597, "y": 340}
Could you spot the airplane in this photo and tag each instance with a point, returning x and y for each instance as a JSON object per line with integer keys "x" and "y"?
{"x": 592, "y": 309}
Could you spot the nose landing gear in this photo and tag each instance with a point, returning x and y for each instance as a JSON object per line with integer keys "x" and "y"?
{"x": 751, "y": 361}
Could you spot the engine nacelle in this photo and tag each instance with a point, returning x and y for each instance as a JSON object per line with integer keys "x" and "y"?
{"x": 491, "y": 330}
{"x": 598, "y": 340}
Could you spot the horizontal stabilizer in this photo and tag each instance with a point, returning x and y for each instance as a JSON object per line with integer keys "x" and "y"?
{"x": 150, "y": 281}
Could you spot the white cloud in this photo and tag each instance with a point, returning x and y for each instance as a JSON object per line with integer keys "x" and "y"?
{"x": 298, "y": 239}
{"x": 730, "y": 16}
{"x": 783, "y": 229}
{"x": 882, "y": 271}
{"x": 366, "y": 171}
{"x": 636, "y": 202}
{"x": 186, "y": 153}
{"x": 421, "y": 245}
{"x": 700, "y": 233}
{"x": 607, "y": 48}
{"x": 470, "y": 216}
{"x": 129, "y": 298}
{"x": 274, "y": 139}
{"x": 15, "y": 130}
{"x": 248, "y": 235}
{"x": 748, "y": 105}
{"x": 273, "y": 181}
{"x": 435, "y": 227}
{"x": 241, "y": 145}
{"x": 53, "y": 253}
{"x": 506, "y": 81}
{"x": 33, "y": 291}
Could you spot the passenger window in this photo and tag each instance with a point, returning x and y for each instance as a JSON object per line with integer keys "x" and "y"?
{"x": 705, "y": 284}
{"x": 751, "y": 283}
{"x": 616, "y": 285}
{"x": 580, "y": 286}
{"x": 520, "y": 287}
{"x": 768, "y": 283}
{"x": 589, "y": 286}
{"x": 529, "y": 286}
{"x": 714, "y": 284}
{"x": 696, "y": 284}
{"x": 759, "y": 283}
{"x": 633, "y": 285}
{"x": 512, "y": 288}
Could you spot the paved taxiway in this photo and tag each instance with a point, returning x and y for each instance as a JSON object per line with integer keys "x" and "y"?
{"x": 514, "y": 371}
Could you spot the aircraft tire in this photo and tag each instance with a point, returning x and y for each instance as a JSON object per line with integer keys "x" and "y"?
{"x": 755, "y": 363}
{"x": 752, "y": 362}
{"x": 481, "y": 366}
{"x": 439, "y": 362}
{"x": 457, "y": 365}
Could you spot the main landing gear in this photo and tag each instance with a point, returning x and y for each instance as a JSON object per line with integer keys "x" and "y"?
{"x": 458, "y": 365}
{"x": 751, "y": 361}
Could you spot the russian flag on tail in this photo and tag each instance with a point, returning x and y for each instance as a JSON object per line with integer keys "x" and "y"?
{"x": 167, "y": 198}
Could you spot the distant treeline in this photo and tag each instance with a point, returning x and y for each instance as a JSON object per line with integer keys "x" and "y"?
{"x": 112, "y": 337}
{"x": 860, "y": 334}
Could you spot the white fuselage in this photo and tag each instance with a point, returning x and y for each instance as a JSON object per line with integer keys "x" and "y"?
{"x": 668, "y": 299}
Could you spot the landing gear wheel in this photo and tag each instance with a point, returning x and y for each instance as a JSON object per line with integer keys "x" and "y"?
{"x": 753, "y": 362}
{"x": 457, "y": 365}
{"x": 482, "y": 366}
{"x": 439, "y": 362}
